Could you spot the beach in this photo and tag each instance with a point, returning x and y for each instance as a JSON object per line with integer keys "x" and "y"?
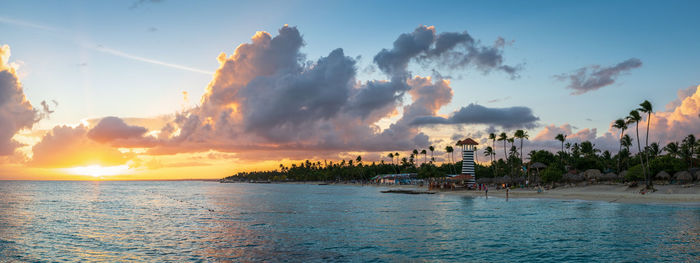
{"x": 617, "y": 193}
{"x": 680, "y": 194}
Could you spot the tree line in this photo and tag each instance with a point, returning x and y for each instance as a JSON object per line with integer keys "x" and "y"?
{"x": 643, "y": 165}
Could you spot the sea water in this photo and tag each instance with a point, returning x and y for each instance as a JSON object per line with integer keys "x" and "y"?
{"x": 209, "y": 221}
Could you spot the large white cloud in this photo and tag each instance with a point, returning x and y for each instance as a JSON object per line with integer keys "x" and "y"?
{"x": 265, "y": 97}
{"x": 16, "y": 113}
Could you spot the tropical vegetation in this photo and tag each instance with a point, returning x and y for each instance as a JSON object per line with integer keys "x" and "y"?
{"x": 572, "y": 157}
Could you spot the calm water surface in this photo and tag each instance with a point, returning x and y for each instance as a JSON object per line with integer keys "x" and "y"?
{"x": 207, "y": 221}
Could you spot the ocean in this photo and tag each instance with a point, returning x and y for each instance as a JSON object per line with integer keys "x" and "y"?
{"x": 194, "y": 221}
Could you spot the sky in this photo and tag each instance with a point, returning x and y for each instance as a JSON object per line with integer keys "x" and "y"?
{"x": 179, "y": 89}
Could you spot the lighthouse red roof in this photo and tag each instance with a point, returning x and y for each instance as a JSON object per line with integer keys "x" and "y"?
{"x": 467, "y": 141}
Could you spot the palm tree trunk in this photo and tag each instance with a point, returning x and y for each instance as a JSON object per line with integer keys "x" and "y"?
{"x": 561, "y": 157}
{"x": 641, "y": 158}
{"x": 494, "y": 156}
{"x": 494, "y": 149}
{"x": 619, "y": 157}
{"x": 521, "y": 153}
{"x": 646, "y": 154}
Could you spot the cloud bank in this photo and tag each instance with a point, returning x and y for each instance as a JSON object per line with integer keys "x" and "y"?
{"x": 449, "y": 50}
{"x": 266, "y": 97}
{"x": 507, "y": 118}
{"x": 266, "y": 100}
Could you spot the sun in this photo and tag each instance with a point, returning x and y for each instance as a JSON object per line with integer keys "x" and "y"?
{"x": 97, "y": 170}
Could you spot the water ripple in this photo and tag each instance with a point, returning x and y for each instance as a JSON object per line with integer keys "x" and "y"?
{"x": 204, "y": 221}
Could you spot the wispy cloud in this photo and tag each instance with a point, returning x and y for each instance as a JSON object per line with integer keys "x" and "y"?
{"x": 21, "y": 23}
{"x": 595, "y": 77}
{"x": 141, "y": 2}
{"x": 148, "y": 60}
{"x": 100, "y": 48}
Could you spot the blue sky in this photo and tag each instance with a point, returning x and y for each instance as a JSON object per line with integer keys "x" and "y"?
{"x": 550, "y": 37}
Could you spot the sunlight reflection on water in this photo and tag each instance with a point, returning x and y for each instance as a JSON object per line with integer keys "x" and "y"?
{"x": 206, "y": 221}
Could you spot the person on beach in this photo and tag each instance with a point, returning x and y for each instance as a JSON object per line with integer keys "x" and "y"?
{"x": 507, "y": 191}
{"x": 486, "y": 191}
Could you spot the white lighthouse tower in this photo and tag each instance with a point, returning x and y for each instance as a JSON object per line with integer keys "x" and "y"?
{"x": 468, "y": 151}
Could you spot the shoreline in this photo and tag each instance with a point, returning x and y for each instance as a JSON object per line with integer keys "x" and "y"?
{"x": 602, "y": 193}
{"x": 612, "y": 193}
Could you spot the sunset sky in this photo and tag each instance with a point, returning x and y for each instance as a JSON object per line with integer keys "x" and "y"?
{"x": 186, "y": 89}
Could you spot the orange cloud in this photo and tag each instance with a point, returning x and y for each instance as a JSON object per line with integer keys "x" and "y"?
{"x": 66, "y": 146}
{"x": 550, "y": 131}
{"x": 681, "y": 118}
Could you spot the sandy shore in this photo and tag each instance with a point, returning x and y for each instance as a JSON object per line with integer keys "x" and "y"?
{"x": 665, "y": 194}
{"x": 689, "y": 194}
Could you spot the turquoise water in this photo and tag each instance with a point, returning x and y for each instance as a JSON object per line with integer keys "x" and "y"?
{"x": 207, "y": 221}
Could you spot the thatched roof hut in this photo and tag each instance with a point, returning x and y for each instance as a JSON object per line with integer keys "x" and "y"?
{"x": 608, "y": 177}
{"x": 573, "y": 178}
{"x": 683, "y": 177}
{"x": 592, "y": 174}
{"x": 663, "y": 175}
{"x": 484, "y": 180}
{"x": 502, "y": 180}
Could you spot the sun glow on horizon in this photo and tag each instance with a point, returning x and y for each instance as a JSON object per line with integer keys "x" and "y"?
{"x": 97, "y": 170}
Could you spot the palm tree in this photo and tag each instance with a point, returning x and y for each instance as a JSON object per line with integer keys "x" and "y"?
{"x": 622, "y": 125}
{"x": 503, "y": 137}
{"x": 489, "y": 152}
{"x": 511, "y": 140}
{"x": 561, "y": 137}
{"x": 432, "y": 149}
{"x": 391, "y": 155}
{"x": 521, "y": 134}
{"x": 654, "y": 150}
{"x": 449, "y": 150}
{"x": 513, "y": 150}
{"x": 634, "y": 117}
{"x": 492, "y": 137}
{"x": 425, "y": 155}
{"x": 645, "y": 107}
{"x": 672, "y": 149}
{"x": 415, "y": 152}
{"x": 689, "y": 144}
{"x": 626, "y": 141}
